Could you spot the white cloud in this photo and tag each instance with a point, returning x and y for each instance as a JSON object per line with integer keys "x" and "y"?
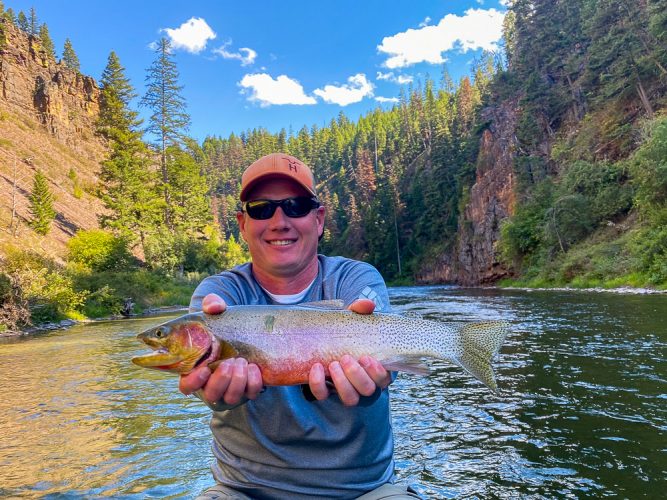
{"x": 356, "y": 88}
{"x": 425, "y": 22}
{"x": 477, "y": 29}
{"x": 391, "y": 77}
{"x": 245, "y": 55}
{"x": 266, "y": 91}
{"x": 386, "y": 99}
{"x": 192, "y": 35}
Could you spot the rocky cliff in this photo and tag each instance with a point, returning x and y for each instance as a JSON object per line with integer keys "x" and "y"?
{"x": 474, "y": 259}
{"x": 47, "y": 123}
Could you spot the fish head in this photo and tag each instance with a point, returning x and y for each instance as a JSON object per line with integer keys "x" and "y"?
{"x": 178, "y": 345}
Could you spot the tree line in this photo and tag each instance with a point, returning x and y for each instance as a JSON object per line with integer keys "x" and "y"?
{"x": 589, "y": 82}
{"x": 31, "y": 25}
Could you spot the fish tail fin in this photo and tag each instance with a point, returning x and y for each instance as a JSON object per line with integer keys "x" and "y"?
{"x": 480, "y": 342}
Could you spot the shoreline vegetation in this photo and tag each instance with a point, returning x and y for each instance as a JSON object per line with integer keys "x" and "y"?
{"x": 68, "y": 323}
{"x": 156, "y": 311}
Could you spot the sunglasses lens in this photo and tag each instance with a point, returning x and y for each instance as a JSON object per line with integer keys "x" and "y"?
{"x": 298, "y": 206}
{"x": 260, "y": 209}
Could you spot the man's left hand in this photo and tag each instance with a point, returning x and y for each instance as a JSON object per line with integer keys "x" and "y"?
{"x": 352, "y": 378}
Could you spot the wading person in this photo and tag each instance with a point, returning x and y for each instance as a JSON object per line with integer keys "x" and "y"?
{"x": 326, "y": 439}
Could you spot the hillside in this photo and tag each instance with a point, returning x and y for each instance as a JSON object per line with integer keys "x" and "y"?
{"x": 546, "y": 164}
{"x": 47, "y": 117}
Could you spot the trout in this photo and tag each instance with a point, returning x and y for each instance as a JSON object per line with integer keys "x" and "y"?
{"x": 285, "y": 341}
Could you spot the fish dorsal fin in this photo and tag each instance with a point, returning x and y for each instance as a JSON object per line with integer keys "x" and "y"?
{"x": 406, "y": 363}
{"x": 324, "y": 304}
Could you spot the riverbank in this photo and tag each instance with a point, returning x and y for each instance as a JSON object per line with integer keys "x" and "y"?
{"x": 619, "y": 290}
{"x": 68, "y": 323}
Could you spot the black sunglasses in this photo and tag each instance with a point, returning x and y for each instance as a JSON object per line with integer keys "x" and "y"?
{"x": 299, "y": 206}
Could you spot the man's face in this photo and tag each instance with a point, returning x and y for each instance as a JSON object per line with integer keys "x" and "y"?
{"x": 281, "y": 246}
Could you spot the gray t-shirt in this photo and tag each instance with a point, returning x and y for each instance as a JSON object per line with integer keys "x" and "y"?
{"x": 283, "y": 446}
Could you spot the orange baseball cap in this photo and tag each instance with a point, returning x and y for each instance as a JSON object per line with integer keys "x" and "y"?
{"x": 277, "y": 165}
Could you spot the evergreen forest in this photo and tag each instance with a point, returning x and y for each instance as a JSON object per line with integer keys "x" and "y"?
{"x": 585, "y": 83}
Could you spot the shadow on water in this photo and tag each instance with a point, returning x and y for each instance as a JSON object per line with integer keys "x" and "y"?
{"x": 582, "y": 410}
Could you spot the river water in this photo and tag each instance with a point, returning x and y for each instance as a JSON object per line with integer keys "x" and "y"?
{"x": 582, "y": 410}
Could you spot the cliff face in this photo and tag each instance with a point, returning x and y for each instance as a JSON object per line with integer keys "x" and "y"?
{"x": 474, "y": 258}
{"x": 47, "y": 123}
{"x": 31, "y": 83}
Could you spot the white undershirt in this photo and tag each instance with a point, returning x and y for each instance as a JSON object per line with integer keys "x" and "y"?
{"x": 293, "y": 298}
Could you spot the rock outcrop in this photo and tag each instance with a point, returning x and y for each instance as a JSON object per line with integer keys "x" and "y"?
{"x": 32, "y": 83}
{"x": 474, "y": 259}
{"x": 47, "y": 123}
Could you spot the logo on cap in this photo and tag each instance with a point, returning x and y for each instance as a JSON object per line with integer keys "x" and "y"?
{"x": 292, "y": 163}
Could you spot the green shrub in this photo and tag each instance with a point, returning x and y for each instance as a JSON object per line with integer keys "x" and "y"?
{"x": 99, "y": 251}
{"x": 77, "y": 190}
{"x": 523, "y": 233}
{"x": 649, "y": 245}
{"x": 649, "y": 172}
{"x": 43, "y": 286}
{"x": 147, "y": 289}
{"x": 604, "y": 186}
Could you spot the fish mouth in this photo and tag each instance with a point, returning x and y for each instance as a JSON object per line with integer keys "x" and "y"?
{"x": 160, "y": 358}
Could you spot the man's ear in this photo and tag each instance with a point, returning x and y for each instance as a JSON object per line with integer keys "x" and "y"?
{"x": 321, "y": 212}
{"x": 240, "y": 219}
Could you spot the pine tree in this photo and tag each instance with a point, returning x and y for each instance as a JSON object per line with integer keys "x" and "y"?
{"x": 22, "y": 21}
{"x": 41, "y": 205}
{"x": 116, "y": 93}
{"x": 10, "y": 16}
{"x": 364, "y": 176}
{"x": 354, "y": 235}
{"x": 169, "y": 120}
{"x": 127, "y": 187}
{"x": 47, "y": 43}
{"x": 189, "y": 193}
{"x": 3, "y": 34}
{"x": 33, "y": 23}
{"x": 70, "y": 58}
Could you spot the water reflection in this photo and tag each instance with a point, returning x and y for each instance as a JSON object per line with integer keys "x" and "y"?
{"x": 582, "y": 410}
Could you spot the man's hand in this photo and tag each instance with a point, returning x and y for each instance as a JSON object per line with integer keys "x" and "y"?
{"x": 232, "y": 379}
{"x": 351, "y": 378}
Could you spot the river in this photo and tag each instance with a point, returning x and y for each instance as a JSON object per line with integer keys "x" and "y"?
{"x": 582, "y": 410}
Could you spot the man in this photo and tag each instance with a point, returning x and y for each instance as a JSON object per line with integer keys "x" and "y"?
{"x": 314, "y": 441}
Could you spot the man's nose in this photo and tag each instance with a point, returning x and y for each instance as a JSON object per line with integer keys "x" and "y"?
{"x": 279, "y": 219}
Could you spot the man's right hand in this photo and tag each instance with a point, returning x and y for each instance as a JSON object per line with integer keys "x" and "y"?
{"x": 232, "y": 380}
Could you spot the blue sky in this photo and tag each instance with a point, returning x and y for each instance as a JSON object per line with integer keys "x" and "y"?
{"x": 278, "y": 64}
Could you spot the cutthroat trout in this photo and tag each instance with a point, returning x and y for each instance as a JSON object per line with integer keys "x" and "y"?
{"x": 285, "y": 341}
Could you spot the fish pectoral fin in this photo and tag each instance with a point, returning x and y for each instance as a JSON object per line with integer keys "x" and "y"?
{"x": 406, "y": 363}
{"x": 324, "y": 304}
{"x": 226, "y": 351}
{"x": 156, "y": 359}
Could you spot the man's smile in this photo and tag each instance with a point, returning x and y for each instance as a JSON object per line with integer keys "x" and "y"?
{"x": 281, "y": 242}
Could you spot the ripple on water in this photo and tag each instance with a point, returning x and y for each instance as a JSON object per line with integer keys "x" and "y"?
{"x": 581, "y": 412}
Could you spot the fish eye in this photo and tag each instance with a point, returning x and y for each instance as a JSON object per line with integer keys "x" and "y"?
{"x": 159, "y": 333}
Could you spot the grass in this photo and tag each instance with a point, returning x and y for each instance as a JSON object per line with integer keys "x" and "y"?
{"x": 607, "y": 259}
